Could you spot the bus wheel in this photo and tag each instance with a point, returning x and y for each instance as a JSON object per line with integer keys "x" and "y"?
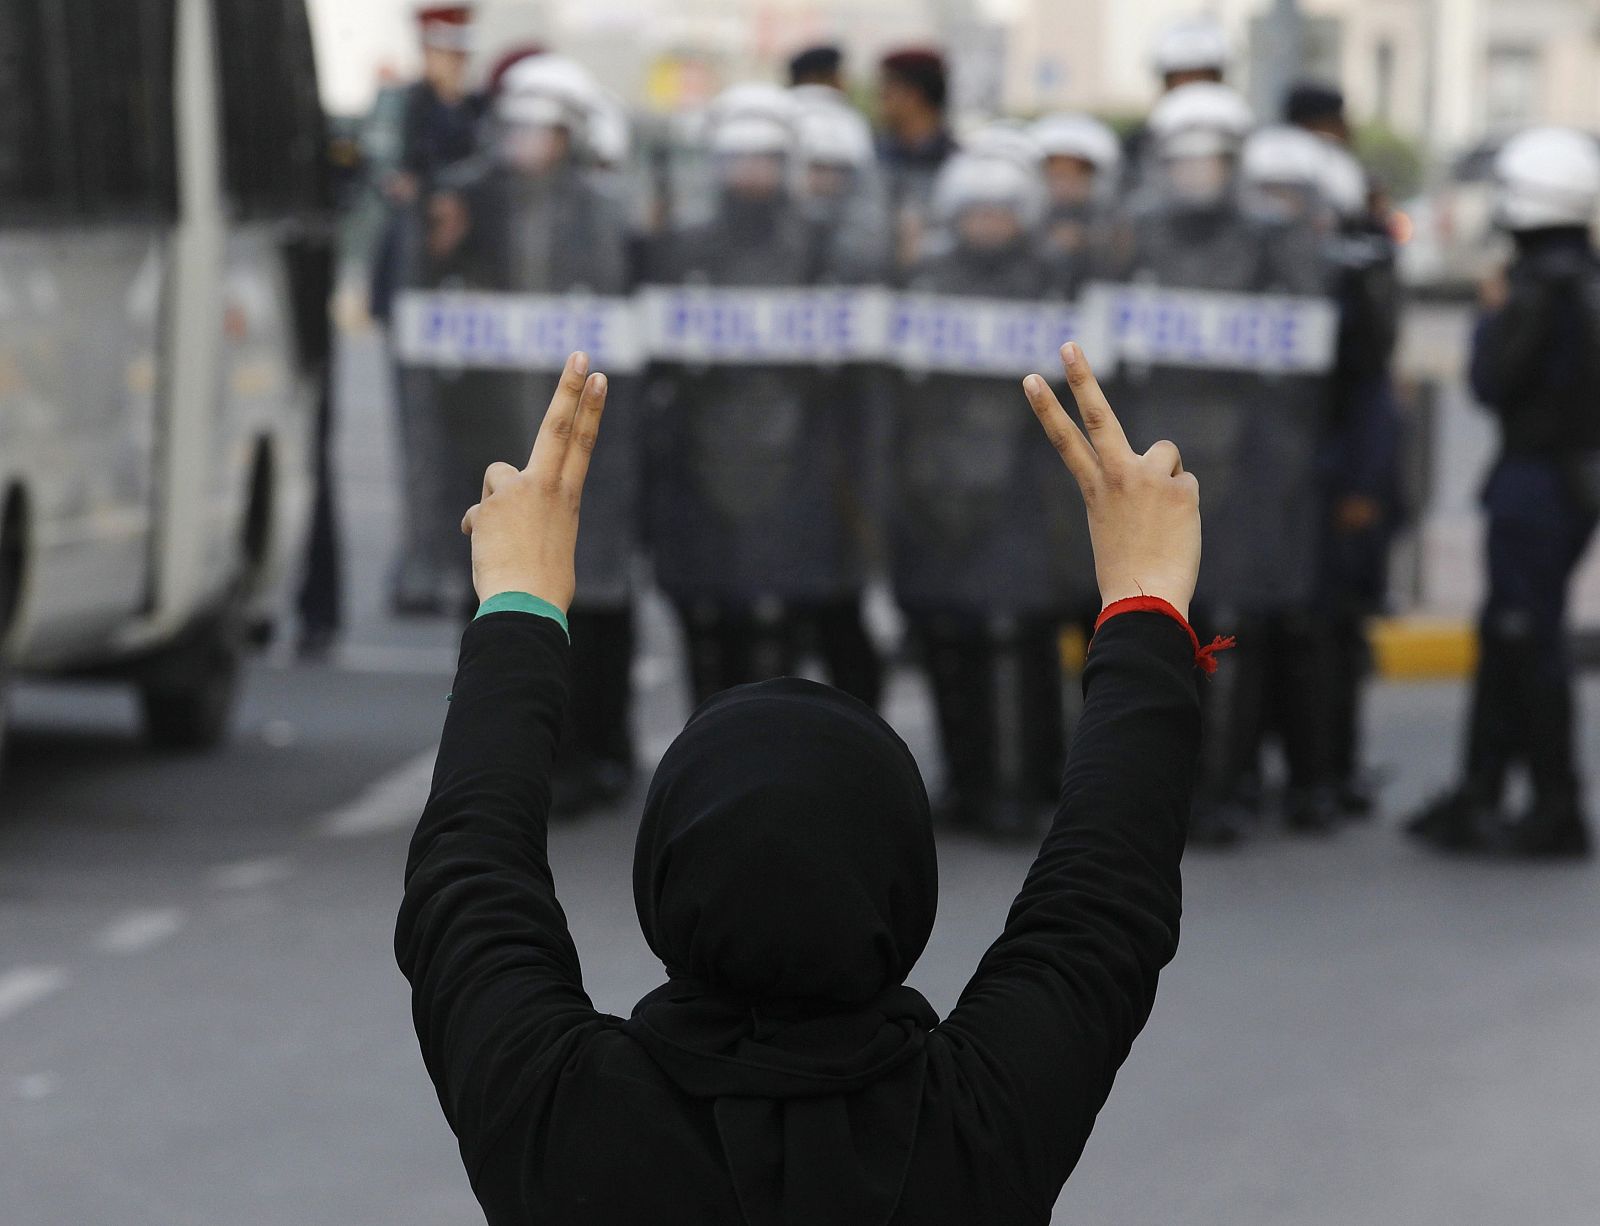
{"x": 188, "y": 703}
{"x": 10, "y": 593}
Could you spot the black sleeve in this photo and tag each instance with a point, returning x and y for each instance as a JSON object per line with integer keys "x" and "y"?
{"x": 415, "y": 155}
{"x": 1511, "y": 344}
{"x": 1054, "y": 1007}
{"x": 495, "y": 982}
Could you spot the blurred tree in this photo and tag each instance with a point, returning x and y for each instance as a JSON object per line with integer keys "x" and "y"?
{"x": 1395, "y": 160}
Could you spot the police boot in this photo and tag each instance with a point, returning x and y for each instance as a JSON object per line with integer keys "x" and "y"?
{"x": 1464, "y": 817}
{"x": 1227, "y": 801}
{"x": 1554, "y": 825}
{"x": 1303, "y": 677}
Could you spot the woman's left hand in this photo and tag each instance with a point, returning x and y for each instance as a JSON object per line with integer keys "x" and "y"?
{"x": 525, "y": 530}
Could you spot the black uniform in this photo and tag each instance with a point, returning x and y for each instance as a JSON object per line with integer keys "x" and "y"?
{"x": 985, "y": 540}
{"x": 679, "y": 1115}
{"x": 752, "y": 489}
{"x": 558, "y": 233}
{"x": 1536, "y": 364}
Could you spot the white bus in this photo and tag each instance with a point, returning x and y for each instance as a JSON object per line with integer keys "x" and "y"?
{"x": 163, "y": 332}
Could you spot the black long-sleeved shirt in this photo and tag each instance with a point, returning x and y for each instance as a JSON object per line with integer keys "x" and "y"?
{"x": 562, "y": 1118}
{"x": 1536, "y": 360}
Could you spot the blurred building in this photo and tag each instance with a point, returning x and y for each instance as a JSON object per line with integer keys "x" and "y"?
{"x": 1440, "y": 71}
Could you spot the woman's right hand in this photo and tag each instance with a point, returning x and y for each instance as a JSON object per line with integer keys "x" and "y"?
{"x": 1144, "y": 510}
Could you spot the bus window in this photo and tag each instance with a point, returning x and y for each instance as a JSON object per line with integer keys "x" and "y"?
{"x": 120, "y": 63}
{"x": 86, "y": 110}
{"x": 33, "y": 113}
{"x": 273, "y": 131}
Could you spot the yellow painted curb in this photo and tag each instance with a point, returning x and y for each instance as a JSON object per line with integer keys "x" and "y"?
{"x": 1403, "y": 648}
{"x": 1420, "y": 648}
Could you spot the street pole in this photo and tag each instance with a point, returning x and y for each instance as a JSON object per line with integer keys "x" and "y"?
{"x": 1283, "y": 60}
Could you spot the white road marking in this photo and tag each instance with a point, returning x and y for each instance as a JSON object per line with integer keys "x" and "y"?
{"x": 36, "y": 1086}
{"x": 250, "y": 874}
{"x": 140, "y": 929}
{"x": 28, "y": 985}
{"x": 393, "y": 802}
{"x": 402, "y": 661}
{"x": 653, "y": 672}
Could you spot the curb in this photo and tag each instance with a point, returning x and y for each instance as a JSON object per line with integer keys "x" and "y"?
{"x": 1410, "y": 648}
{"x": 1423, "y": 648}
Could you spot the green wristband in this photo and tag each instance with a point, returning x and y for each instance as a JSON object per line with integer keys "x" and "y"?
{"x": 521, "y": 602}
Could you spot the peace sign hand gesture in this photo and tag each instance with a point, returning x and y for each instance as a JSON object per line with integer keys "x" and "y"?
{"x": 1144, "y": 510}
{"x": 525, "y": 530}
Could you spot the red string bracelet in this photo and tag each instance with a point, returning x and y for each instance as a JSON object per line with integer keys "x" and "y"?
{"x": 1205, "y": 658}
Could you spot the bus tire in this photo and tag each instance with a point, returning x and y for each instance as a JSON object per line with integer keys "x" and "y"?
{"x": 189, "y": 705}
{"x": 11, "y": 570}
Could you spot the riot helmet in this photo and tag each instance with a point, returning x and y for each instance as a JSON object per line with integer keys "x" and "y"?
{"x": 1194, "y": 49}
{"x": 1199, "y": 130}
{"x": 988, "y": 201}
{"x": 1548, "y": 178}
{"x": 1081, "y": 158}
{"x": 544, "y": 113}
{"x": 1283, "y": 171}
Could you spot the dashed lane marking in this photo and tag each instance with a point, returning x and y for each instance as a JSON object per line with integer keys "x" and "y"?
{"x": 244, "y": 875}
{"x": 28, "y": 985}
{"x": 395, "y": 801}
{"x": 141, "y": 929}
{"x": 400, "y": 661}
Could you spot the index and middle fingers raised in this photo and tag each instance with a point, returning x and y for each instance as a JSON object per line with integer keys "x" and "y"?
{"x": 1105, "y": 442}
{"x": 571, "y": 425}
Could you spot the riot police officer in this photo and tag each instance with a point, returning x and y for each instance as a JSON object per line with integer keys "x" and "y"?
{"x": 1536, "y": 364}
{"x": 439, "y": 131}
{"x": 1360, "y": 469}
{"x": 1284, "y": 175}
{"x": 915, "y": 141}
{"x": 749, "y": 479}
{"x": 1249, "y": 436}
{"x": 1081, "y": 164}
{"x": 1190, "y": 50}
{"x": 981, "y": 535}
{"x": 843, "y": 193}
{"x": 537, "y": 216}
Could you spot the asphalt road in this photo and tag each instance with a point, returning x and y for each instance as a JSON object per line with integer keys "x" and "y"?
{"x": 201, "y": 1022}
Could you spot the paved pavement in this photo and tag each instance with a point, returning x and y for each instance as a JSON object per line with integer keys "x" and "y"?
{"x": 201, "y": 1022}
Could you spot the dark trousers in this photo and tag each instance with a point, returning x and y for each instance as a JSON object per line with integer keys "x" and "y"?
{"x": 735, "y": 644}
{"x": 320, "y": 598}
{"x": 600, "y": 704}
{"x": 1522, "y": 704}
{"x": 1274, "y": 683}
{"x": 997, "y": 687}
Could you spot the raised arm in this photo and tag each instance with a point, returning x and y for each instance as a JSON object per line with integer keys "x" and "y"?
{"x": 1056, "y": 1002}
{"x": 496, "y": 985}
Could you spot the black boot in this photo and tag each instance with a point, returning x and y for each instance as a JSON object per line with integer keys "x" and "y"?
{"x": 1458, "y": 820}
{"x": 1466, "y": 817}
{"x": 1554, "y": 825}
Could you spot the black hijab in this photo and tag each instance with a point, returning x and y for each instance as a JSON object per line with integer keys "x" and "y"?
{"x": 785, "y": 875}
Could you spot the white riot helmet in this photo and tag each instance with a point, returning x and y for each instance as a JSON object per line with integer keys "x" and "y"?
{"x": 1548, "y": 177}
{"x": 1283, "y": 155}
{"x": 1012, "y": 142}
{"x": 831, "y": 134}
{"x": 753, "y": 99}
{"x": 1195, "y": 44}
{"x": 752, "y": 119}
{"x": 1082, "y": 137}
{"x": 1201, "y": 119}
{"x": 1282, "y": 170}
{"x": 610, "y": 134}
{"x": 549, "y": 91}
{"x": 1344, "y": 182}
{"x": 969, "y": 179}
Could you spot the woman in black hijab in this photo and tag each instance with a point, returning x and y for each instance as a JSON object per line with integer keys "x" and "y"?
{"x": 785, "y": 1075}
